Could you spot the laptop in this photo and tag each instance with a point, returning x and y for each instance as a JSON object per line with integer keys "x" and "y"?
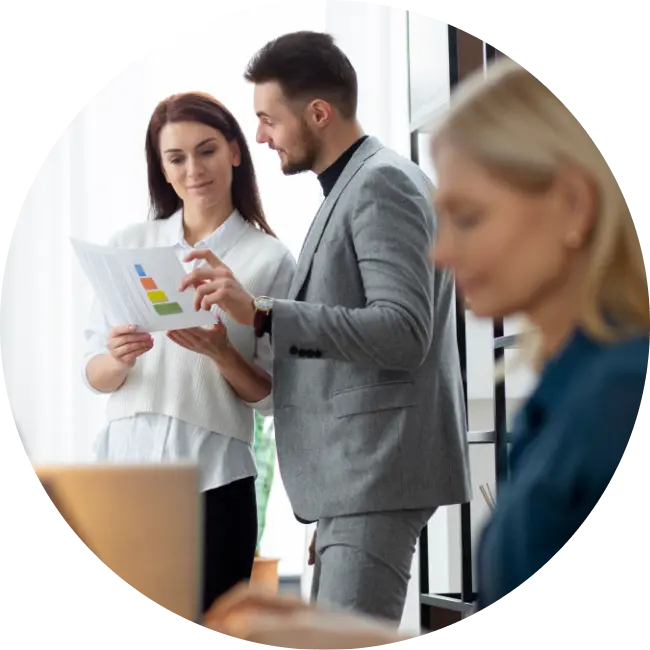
{"x": 143, "y": 521}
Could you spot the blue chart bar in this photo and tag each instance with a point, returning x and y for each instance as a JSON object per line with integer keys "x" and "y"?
{"x": 140, "y": 271}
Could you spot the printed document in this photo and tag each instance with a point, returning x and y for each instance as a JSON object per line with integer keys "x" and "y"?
{"x": 139, "y": 286}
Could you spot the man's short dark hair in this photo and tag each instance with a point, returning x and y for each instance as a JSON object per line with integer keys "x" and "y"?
{"x": 307, "y": 66}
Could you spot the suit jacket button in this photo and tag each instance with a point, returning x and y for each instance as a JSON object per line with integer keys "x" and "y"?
{"x": 293, "y": 350}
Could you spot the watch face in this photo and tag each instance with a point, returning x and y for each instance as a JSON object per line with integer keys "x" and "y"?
{"x": 263, "y": 303}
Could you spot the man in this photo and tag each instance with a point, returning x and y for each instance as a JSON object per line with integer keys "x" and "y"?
{"x": 369, "y": 413}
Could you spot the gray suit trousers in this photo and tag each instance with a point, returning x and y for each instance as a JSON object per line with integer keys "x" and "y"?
{"x": 363, "y": 562}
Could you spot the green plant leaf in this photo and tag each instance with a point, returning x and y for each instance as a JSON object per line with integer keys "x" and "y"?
{"x": 264, "y": 449}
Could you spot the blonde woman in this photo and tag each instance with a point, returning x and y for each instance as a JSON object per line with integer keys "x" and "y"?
{"x": 532, "y": 222}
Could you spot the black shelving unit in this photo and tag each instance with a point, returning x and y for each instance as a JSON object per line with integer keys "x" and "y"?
{"x": 448, "y": 608}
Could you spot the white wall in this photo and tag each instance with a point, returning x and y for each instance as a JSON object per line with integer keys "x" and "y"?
{"x": 429, "y": 69}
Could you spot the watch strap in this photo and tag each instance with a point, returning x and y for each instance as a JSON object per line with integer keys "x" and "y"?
{"x": 263, "y": 323}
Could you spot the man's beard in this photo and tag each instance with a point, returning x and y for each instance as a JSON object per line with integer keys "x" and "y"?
{"x": 308, "y": 159}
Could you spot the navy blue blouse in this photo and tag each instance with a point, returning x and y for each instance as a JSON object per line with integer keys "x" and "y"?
{"x": 567, "y": 442}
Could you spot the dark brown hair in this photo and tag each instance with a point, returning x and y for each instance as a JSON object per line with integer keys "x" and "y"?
{"x": 307, "y": 66}
{"x": 203, "y": 108}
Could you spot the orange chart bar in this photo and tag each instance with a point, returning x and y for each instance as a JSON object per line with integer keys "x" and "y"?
{"x": 158, "y": 298}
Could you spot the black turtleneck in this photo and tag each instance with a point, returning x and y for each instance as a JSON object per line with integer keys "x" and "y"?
{"x": 328, "y": 178}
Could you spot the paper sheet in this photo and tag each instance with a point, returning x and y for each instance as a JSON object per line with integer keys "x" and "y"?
{"x": 139, "y": 286}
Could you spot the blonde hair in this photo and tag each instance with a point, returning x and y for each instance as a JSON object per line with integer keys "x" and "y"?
{"x": 513, "y": 125}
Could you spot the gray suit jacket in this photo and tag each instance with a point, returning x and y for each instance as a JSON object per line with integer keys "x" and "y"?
{"x": 368, "y": 399}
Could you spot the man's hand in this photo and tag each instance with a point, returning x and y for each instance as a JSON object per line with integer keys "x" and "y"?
{"x": 216, "y": 285}
{"x": 311, "y": 560}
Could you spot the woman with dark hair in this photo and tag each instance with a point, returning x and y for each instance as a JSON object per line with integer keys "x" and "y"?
{"x": 189, "y": 395}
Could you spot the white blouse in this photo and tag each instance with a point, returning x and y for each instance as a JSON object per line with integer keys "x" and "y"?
{"x": 157, "y": 438}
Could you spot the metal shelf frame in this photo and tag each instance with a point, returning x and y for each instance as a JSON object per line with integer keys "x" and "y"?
{"x": 462, "y": 604}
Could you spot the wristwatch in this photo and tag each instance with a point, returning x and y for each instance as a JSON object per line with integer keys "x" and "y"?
{"x": 263, "y": 313}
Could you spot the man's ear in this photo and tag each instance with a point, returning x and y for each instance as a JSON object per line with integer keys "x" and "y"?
{"x": 321, "y": 113}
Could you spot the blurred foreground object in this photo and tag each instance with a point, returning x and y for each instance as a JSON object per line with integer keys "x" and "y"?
{"x": 253, "y": 614}
{"x": 143, "y": 522}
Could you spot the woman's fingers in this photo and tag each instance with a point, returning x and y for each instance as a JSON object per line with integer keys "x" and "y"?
{"x": 126, "y": 344}
{"x": 185, "y": 337}
{"x": 176, "y": 338}
{"x": 119, "y": 340}
{"x": 131, "y": 346}
{"x": 129, "y": 349}
{"x": 186, "y": 340}
{"x": 118, "y": 330}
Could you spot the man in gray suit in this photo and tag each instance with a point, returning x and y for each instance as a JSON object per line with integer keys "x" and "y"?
{"x": 368, "y": 402}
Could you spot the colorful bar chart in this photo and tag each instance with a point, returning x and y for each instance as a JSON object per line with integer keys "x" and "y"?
{"x": 158, "y": 298}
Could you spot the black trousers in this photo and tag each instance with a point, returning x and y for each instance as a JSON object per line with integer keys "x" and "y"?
{"x": 230, "y": 537}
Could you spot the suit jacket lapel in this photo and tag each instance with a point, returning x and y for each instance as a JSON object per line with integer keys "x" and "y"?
{"x": 315, "y": 233}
